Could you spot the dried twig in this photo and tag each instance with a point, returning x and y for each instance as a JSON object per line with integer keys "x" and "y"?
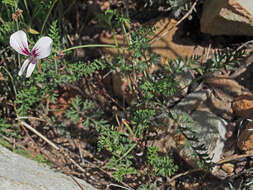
{"x": 184, "y": 174}
{"x": 79, "y": 185}
{"x": 29, "y": 117}
{"x": 39, "y": 134}
{"x": 181, "y": 20}
{"x": 244, "y": 44}
{"x": 188, "y": 13}
{"x": 235, "y": 157}
{"x": 243, "y": 67}
{"x": 65, "y": 152}
{"x": 116, "y": 185}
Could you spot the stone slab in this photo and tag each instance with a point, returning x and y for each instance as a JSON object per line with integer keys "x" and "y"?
{"x": 19, "y": 173}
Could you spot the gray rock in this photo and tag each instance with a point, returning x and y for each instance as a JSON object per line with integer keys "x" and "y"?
{"x": 192, "y": 113}
{"x": 209, "y": 128}
{"x": 210, "y": 131}
{"x": 192, "y": 101}
{"x": 18, "y": 173}
{"x": 184, "y": 80}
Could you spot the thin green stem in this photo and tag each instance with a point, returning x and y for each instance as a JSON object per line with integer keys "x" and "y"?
{"x": 26, "y": 6}
{"x": 12, "y": 81}
{"x": 129, "y": 129}
{"x": 89, "y": 46}
{"x": 56, "y": 66}
{"x": 115, "y": 39}
{"x": 48, "y": 14}
{"x": 125, "y": 34}
{"x": 69, "y": 7}
{"x": 17, "y": 28}
{"x": 127, "y": 152}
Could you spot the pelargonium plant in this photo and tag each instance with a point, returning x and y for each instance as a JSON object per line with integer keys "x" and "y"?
{"x": 42, "y": 49}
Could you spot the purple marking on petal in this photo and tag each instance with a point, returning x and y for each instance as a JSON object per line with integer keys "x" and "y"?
{"x": 25, "y": 51}
{"x": 35, "y": 52}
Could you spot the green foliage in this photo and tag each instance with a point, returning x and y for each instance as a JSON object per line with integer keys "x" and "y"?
{"x": 162, "y": 165}
{"x": 26, "y": 98}
{"x": 115, "y": 141}
{"x": 138, "y": 44}
{"x": 152, "y": 186}
{"x": 44, "y": 79}
{"x": 142, "y": 119}
{"x": 41, "y": 159}
{"x": 123, "y": 167}
{"x": 36, "y": 12}
{"x": 119, "y": 133}
{"x": 109, "y": 138}
{"x": 224, "y": 58}
{"x": 120, "y": 145}
{"x": 8, "y": 25}
{"x": 149, "y": 89}
{"x": 22, "y": 152}
{"x": 162, "y": 83}
{"x": 12, "y": 3}
{"x": 6, "y": 28}
{"x": 88, "y": 112}
{"x": 78, "y": 70}
{"x": 54, "y": 33}
{"x": 166, "y": 86}
{"x": 6, "y": 129}
{"x": 112, "y": 19}
{"x": 156, "y": 88}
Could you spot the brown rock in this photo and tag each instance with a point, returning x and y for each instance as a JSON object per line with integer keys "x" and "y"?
{"x": 227, "y": 17}
{"x": 228, "y": 167}
{"x": 243, "y": 106}
{"x": 219, "y": 106}
{"x": 167, "y": 41}
{"x": 245, "y": 139}
{"x": 228, "y": 88}
{"x": 121, "y": 87}
{"x": 105, "y": 6}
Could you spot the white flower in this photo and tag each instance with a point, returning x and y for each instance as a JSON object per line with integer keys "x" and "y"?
{"x": 41, "y": 49}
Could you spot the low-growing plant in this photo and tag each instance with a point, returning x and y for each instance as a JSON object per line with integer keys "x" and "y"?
{"x": 119, "y": 134}
{"x": 162, "y": 165}
{"x": 152, "y": 186}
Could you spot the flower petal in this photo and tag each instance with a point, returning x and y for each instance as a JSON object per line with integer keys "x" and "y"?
{"x": 18, "y": 41}
{"x": 30, "y": 68}
{"x": 21, "y": 71}
{"x": 42, "y": 48}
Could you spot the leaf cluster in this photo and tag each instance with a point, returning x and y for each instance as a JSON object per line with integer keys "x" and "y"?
{"x": 87, "y": 113}
{"x": 125, "y": 131}
{"x": 162, "y": 165}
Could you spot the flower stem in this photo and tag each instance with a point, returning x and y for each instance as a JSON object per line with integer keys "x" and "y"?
{"x": 12, "y": 81}
{"x": 47, "y": 16}
{"x": 89, "y": 45}
{"x": 17, "y": 26}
